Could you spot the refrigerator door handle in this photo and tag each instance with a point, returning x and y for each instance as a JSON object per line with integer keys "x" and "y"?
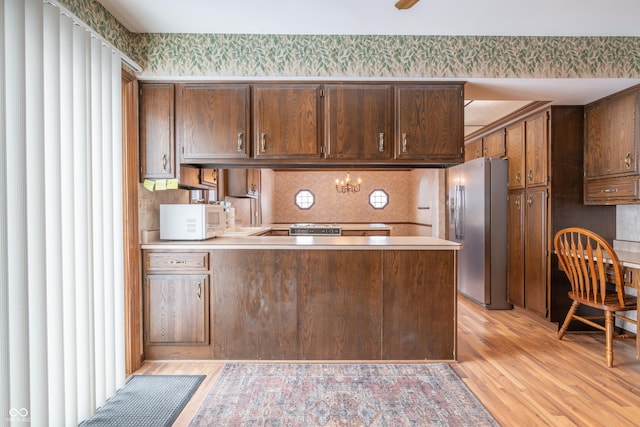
{"x": 459, "y": 214}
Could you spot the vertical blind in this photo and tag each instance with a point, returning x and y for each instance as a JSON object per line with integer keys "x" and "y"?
{"x": 61, "y": 248}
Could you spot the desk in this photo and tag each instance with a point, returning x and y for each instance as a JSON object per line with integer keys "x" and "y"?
{"x": 631, "y": 272}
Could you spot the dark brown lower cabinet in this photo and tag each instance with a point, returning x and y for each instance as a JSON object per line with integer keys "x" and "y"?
{"x": 419, "y": 305}
{"x": 339, "y": 304}
{"x": 254, "y": 304}
{"x": 302, "y": 304}
{"x": 527, "y": 249}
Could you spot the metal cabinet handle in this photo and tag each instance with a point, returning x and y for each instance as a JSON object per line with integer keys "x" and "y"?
{"x": 381, "y": 142}
{"x": 240, "y": 141}
{"x": 177, "y": 262}
{"x": 517, "y": 203}
{"x": 164, "y": 162}
{"x": 478, "y": 154}
{"x": 627, "y": 161}
{"x": 530, "y": 201}
{"x": 530, "y": 175}
{"x": 518, "y": 177}
{"x": 263, "y": 142}
{"x": 404, "y": 142}
{"x": 199, "y": 291}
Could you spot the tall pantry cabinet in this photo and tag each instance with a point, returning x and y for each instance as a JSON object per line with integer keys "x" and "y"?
{"x": 545, "y": 158}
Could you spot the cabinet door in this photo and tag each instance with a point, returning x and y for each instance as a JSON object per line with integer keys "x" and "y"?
{"x": 515, "y": 248}
{"x": 177, "y": 309}
{"x": 494, "y": 144}
{"x": 597, "y": 158}
{"x": 537, "y": 149}
{"x": 243, "y": 182}
{"x": 285, "y": 121}
{"x": 514, "y": 141}
{"x": 619, "y": 147}
{"x": 213, "y": 121}
{"x": 473, "y": 150}
{"x": 157, "y": 143}
{"x": 256, "y": 320}
{"x": 535, "y": 259}
{"x": 429, "y": 123}
{"x": 358, "y": 122}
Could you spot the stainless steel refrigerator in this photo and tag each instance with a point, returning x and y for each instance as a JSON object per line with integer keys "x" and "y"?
{"x": 478, "y": 219}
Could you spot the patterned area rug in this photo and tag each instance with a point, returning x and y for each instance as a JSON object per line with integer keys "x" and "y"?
{"x": 340, "y": 395}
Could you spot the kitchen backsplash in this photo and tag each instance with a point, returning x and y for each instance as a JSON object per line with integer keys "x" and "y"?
{"x": 628, "y": 222}
{"x": 406, "y": 190}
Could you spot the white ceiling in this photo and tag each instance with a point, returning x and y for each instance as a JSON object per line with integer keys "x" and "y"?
{"x": 427, "y": 17}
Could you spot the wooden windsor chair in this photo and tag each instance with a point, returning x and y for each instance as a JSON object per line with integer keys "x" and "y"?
{"x": 596, "y": 278}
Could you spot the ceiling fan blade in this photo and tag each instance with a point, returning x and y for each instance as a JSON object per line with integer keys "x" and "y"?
{"x": 405, "y": 4}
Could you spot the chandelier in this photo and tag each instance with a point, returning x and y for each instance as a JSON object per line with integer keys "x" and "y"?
{"x": 347, "y": 186}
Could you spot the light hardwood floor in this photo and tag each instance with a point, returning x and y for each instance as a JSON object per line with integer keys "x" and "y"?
{"x": 518, "y": 369}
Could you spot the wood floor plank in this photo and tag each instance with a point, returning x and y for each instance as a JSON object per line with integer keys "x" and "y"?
{"x": 517, "y": 368}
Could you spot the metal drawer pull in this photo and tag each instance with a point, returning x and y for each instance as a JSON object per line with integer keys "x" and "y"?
{"x": 381, "y": 142}
{"x": 177, "y": 262}
{"x": 609, "y": 190}
{"x": 240, "y": 141}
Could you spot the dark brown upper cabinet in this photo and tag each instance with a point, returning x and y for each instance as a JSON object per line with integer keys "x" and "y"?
{"x": 213, "y": 121}
{"x": 429, "y": 123}
{"x": 358, "y": 121}
{"x": 612, "y": 148}
{"x": 286, "y": 123}
{"x": 157, "y": 137}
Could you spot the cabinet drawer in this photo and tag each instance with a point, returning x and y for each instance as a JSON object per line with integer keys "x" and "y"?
{"x": 177, "y": 261}
{"x": 612, "y": 191}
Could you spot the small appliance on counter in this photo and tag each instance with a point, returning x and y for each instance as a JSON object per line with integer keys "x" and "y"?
{"x": 191, "y": 221}
{"x": 315, "y": 230}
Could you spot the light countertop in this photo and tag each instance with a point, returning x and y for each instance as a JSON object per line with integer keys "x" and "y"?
{"x": 310, "y": 242}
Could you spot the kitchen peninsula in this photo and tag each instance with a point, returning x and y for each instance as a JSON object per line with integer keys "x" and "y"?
{"x": 301, "y": 298}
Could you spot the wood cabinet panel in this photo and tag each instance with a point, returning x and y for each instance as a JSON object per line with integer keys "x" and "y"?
{"x": 536, "y": 251}
{"x": 494, "y": 144}
{"x": 254, "y": 304}
{"x": 473, "y": 150}
{"x": 366, "y": 232}
{"x": 514, "y": 141}
{"x": 515, "y": 248}
{"x": 612, "y": 132}
{"x": 213, "y": 121}
{"x": 177, "y": 309}
{"x": 612, "y": 148}
{"x": 537, "y": 149}
{"x": 339, "y": 317}
{"x": 419, "y": 305}
{"x": 429, "y": 123}
{"x": 176, "y": 261}
{"x": 613, "y": 191}
{"x": 358, "y": 123}
{"x": 157, "y": 136}
{"x": 286, "y": 121}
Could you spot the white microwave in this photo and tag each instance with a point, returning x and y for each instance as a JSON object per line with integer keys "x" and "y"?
{"x": 191, "y": 221}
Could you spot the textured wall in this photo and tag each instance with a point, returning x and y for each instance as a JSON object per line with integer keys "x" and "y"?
{"x": 330, "y": 206}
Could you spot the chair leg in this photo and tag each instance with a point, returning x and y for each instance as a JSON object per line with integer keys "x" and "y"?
{"x": 608, "y": 325}
{"x": 567, "y": 319}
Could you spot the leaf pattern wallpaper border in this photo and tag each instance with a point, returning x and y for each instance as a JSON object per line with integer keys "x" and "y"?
{"x": 364, "y": 56}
